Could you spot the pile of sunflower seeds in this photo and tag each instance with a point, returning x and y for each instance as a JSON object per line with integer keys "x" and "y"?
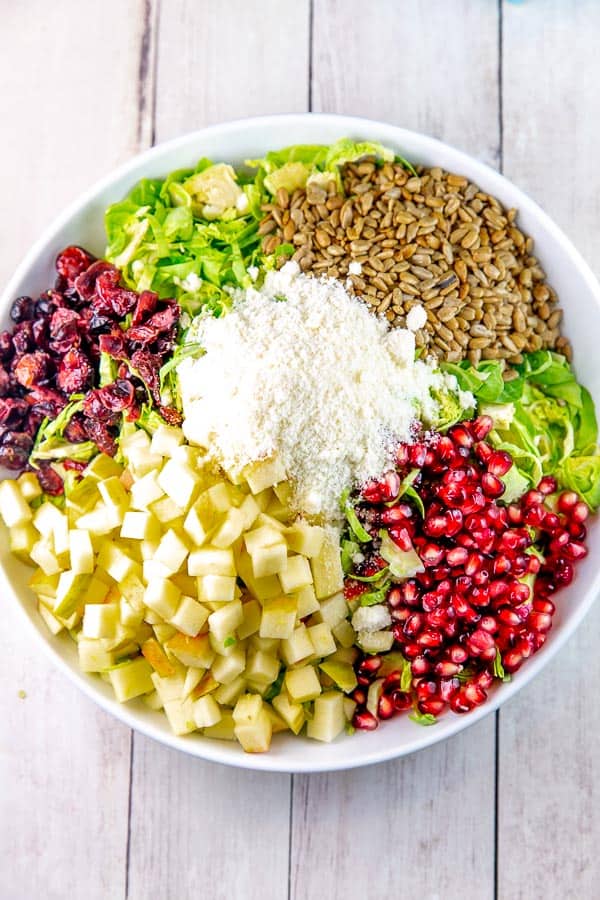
{"x": 430, "y": 238}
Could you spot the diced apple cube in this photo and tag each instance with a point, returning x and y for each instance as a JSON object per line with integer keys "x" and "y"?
{"x": 145, "y": 492}
{"x": 101, "y": 519}
{"x": 226, "y": 669}
{"x": 230, "y": 529}
{"x": 162, "y": 597}
{"x": 302, "y": 684}
{"x": 298, "y": 646}
{"x": 169, "y": 688}
{"x": 194, "y": 526}
{"x": 250, "y": 510}
{"x": 291, "y": 713}
{"x": 102, "y": 467}
{"x": 252, "y": 612}
{"x": 261, "y": 667}
{"x": 156, "y": 656}
{"x": 322, "y": 639}
{"x": 81, "y": 551}
{"x": 46, "y": 584}
{"x": 191, "y": 651}
{"x": 165, "y": 439}
{"x": 22, "y": 538}
{"x": 117, "y": 563}
{"x": 113, "y": 493}
{"x": 269, "y": 560}
{"x": 341, "y": 673}
{"x": 193, "y": 677}
{"x": 228, "y": 694}
{"x": 296, "y": 575}
{"x": 52, "y": 623}
{"x": 142, "y": 460}
{"x": 261, "y": 588}
{"x": 43, "y": 556}
{"x": 344, "y": 633}
{"x": 265, "y": 520}
{"x": 206, "y": 685}
{"x": 278, "y": 618}
{"x": 211, "y": 561}
{"x": 140, "y": 526}
{"x": 190, "y": 616}
{"x": 206, "y": 712}
{"x": 333, "y": 610}
{"x": 131, "y": 679}
{"x": 224, "y": 730}
{"x": 264, "y": 474}
{"x": 46, "y": 517}
{"x": 132, "y": 588}
{"x": 216, "y": 588}
{"x": 14, "y": 508}
{"x": 129, "y": 615}
{"x": 263, "y": 536}
{"x": 328, "y": 718}
{"x": 100, "y": 620}
{"x": 326, "y": 567}
{"x": 180, "y": 714}
{"x": 268, "y": 645}
{"x": 304, "y": 538}
{"x": 70, "y": 593}
{"x": 171, "y": 551}
{"x": 152, "y": 701}
{"x": 224, "y": 621}
{"x": 277, "y": 723}
{"x": 307, "y": 601}
{"x": 179, "y": 482}
{"x": 253, "y": 727}
{"x": 166, "y": 511}
{"x": 93, "y": 657}
{"x": 29, "y": 486}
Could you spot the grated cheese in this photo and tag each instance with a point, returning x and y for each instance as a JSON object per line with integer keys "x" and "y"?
{"x": 302, "y": 370}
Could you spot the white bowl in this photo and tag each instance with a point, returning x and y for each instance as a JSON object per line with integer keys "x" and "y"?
{"x": 234, "y": 142}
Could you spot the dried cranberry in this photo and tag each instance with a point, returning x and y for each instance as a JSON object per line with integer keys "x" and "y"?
{"x": 22, "y": 309}
{"x": 74, "y": 372}
{"x": 85, "y": 284}
{"x": 23, "y": 338}
{"x": 15, "y": 449}
{"x": 50, "y": 481}
{"x": 170, "y": 415}
{"x": 110, "y": 298}
{"x": 64, "y": 330}
{"x": 6, "y": 346}
{"x": 113, "y": 343}
{"x": 5, "y": 382}
{"x": 75, "y": 431}
{"x": 145, "y": 306}
{"x": 32, "y": 369}
{"x": 147, "y": 365}
{"x": 98, "y": 324}
{"x": 99, "y": 433}
{"x": 158, "y": 323}
{"x": 46, "y": 401}
{"x": 12, "y": 411}
{"x": 71, "y": 262}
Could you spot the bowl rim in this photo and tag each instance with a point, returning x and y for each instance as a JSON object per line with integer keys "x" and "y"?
{"x": 425, "y": 737}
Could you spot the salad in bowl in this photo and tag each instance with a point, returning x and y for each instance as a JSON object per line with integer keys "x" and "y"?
{"x": 302, "y": 450}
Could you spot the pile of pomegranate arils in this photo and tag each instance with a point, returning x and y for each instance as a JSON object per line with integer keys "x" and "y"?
{"x": 53, "y": 352}
{"x": 471, "y": 614}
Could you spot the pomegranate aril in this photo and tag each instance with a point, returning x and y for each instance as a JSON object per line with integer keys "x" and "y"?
{"x": 359, "y": 696}
{"x": 575, "y": 550}
{"x": 401, "y": 700}
{"x": 431, "y": 554}
{"x": 483, "y": 452}
{"x": 414, "y": 624}
{"x": 474, "y": 693}
{"x": 393, "y": 516}
{"x": 499, "y": 463}
{"x": 461, "y": 436}
{"x": 544, "y": 606}
{"x": 515, "y": 514}
{"x": 371, "y": 665}
{"x": 460, "y": 703}
{"x": 567, "y": 501}
{"x": 395, "y": 598}
{"x": 444, "y": 449}
{"x": 364, "y": 721}
{"x": 508, "y": 616}
{"x": 488, "y": 623}
{"x": 479, "y": 641}
{"x": 458, "y": 654}
{"x": 401, "y": 537}
{"x": 473, "y": 563}
{"x": 563, "y": 572}
{"x": 579, "y": 512}
{"x": 446, "y": 668}
{"x": 417, "y": 454}
{"x": 491, "y": 485}
{"x": 540, "y": 621}
{"x": 481, "y": 427}
{"x": 547, "y": 485}
{"x": 385, "y": 707}
{"x": 532, "y": 497}
{"x": 430, "y": 639}
{"x": 431, "y": 707}
{"x": 435, "y": 526}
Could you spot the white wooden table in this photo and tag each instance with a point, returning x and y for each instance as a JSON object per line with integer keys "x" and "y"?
{"x": 511, "y": 807}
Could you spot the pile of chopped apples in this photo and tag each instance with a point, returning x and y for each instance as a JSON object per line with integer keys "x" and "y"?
{"x": 206, "y": 598}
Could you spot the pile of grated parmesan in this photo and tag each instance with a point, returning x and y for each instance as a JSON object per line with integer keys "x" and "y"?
{"x": 302, "y": 370}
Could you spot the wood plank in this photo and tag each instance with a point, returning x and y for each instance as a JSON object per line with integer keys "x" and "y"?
{"x": 549, "y": 782}
{"x": 228, "y": 60}
{"x": 391, "y": 828}
{"x": 204, "y": 830}
{"x": 225, "y": 824}
{"x": 432, "y": 67}
{"x": 68, "y": 88}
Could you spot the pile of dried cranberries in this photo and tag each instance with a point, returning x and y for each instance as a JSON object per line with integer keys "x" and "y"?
{"x": 482, "y": 604}
{"x": 53, "y": 352}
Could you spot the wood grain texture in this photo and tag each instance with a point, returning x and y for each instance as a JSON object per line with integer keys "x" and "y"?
{"x": 432, "y": 67}
{"x": 549, "y": 780}
{"x": 68, "y": 92}
{"x": 225, "y": 824}
{"x": 230, "y": 59}
{"x": 201, "y": 831}
{"x": 418, "y": 827}
{"x": 374, "y": 832}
